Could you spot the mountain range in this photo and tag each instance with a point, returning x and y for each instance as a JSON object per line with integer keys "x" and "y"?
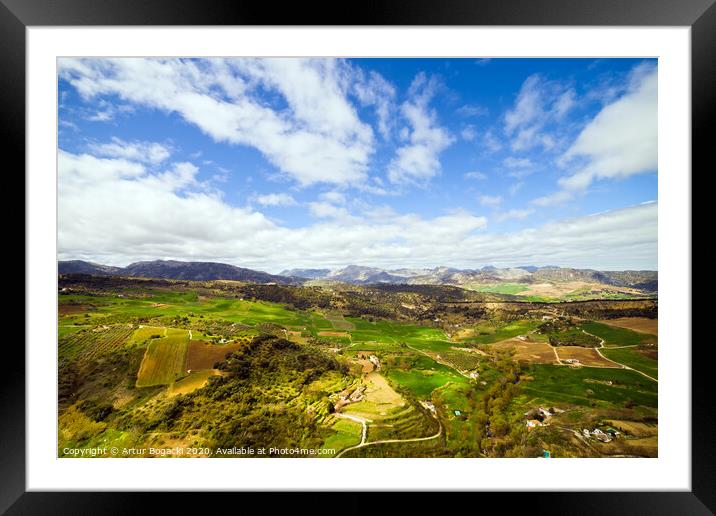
{"x": 645, "y": 281}
{"x": 173, "y": 269}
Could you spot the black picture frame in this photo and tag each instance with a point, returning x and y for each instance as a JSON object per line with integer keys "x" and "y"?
{"x": 17, "y": 15}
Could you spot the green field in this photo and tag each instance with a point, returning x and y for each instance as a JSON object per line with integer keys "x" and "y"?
{"x": 632, "y": 358}
{"x": 125, "y": 361}
{"x": 557, "y": 384}
{"x": 347, "y": 434}
{"x": 488, "y": 332}
{"x": 424, "y": 376}
{"x": 503, "y": 288}
{"x": 164, "y": 360}
{"x": 614, "y": 336}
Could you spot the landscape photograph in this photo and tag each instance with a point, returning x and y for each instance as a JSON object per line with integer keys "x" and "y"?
{"x": 336, "y": 258}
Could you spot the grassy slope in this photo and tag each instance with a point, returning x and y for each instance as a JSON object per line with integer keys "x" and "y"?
{"x": 568, "y": 385}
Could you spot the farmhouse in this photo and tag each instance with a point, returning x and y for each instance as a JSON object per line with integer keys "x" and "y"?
{"x": 533, "y": 423}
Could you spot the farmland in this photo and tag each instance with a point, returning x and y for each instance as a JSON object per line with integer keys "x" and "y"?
{"x": 225, "y": 364}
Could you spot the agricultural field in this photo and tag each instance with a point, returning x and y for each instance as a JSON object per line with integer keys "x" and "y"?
{"x": 584, "y": 356}
{"x": 528, "y": 349}
{"x": 617, "y": 336}
{"x": 89, "y": 344}
{"x": 198, "y": 367}
{"x": 203, "y": 355}
{"x": 490, "y": 332}
{"x": 164, "y": 360}
{"x": 638, "y": 324}
{"x": 635, "y": 358}
{"x": 589, "y": 385}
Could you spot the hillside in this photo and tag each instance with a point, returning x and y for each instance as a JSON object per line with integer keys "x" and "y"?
{"x": 173, "y": 269}
{"x": 529, "y": 283}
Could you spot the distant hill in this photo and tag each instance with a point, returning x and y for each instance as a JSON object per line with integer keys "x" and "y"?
{"x": 82, "y": 267}
{"x": 172, "y": 269}
{"x": 645, "y": 282}
{"x": 305, "y": 273}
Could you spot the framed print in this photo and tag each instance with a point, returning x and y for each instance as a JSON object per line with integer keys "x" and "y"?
{"x": 420, "y": 249}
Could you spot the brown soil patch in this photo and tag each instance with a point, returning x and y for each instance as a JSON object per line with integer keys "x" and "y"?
{"x": 563, "y": 288}
{"x": 332, "y": 334}
{"x": 528, "y": 350}
{"x": 635, "y": 428}
{"x": 72, "y": 309}
{"x": 639, "y": 324}
{"x": 586, "y": 356}
{"x": 367, "y": 366}
{"x": 196, "y": 380}
{"x": 202, "y": 355}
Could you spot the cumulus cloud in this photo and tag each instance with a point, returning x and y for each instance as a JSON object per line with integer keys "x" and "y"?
{"x": 317, "y": 138}
{"x": 276, "y": 199}
{"x": 115, "y": 211}
{"x": 417, "y": 161}
{"x": 146, "y": 152}
{"x": 622, "y": 139}
{"x": 327, "y": 210}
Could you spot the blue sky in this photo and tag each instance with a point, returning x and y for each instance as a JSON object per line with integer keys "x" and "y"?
{"x": 281, "y": 163}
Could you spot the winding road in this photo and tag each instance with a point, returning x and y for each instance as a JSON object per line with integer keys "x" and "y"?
{"x": 601, "y": 345}
{"x": 363, "y": 443}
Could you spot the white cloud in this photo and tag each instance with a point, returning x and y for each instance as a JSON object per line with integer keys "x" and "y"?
{"x": 468, "y": 133}
{"x": 564, "y": 103}
{"x": 619, "y": 142}
{"x": 480, "y": 176}
{"x": 516, "y": 187}
{"x": 516, "y": 214}
{"x": 492, "y": 201}
{"x": 372, "y": 89}
{"x": 327, "y": 210}
{"x": 472, "y": 110}
{"x": 317, "y": 138}
{"x": 622, "y": 139}
{"x": 614, "y": 240}
{"x": 418, "y": 161}
{"x": 145, "y": 152}
{"x": 557, "y": 197}
{"x": 512, "y": 162}
{"x": 276, "y": 199}
{"x": 492, "y": 144}
{"x": 333, "y": 197}
{"x": 538, "y": 103}
{"x": 114, "y": 211}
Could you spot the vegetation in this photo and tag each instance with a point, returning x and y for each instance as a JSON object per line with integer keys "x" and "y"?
{"x": 432, "y": 370}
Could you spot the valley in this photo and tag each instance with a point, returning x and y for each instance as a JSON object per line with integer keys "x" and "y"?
{"x": 351, "y": 370}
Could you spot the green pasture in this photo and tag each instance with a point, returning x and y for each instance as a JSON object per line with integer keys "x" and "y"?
{"x": 583, "y": 386}
{"x": 632, "y": 358}
{"x": 614, "y": 336}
